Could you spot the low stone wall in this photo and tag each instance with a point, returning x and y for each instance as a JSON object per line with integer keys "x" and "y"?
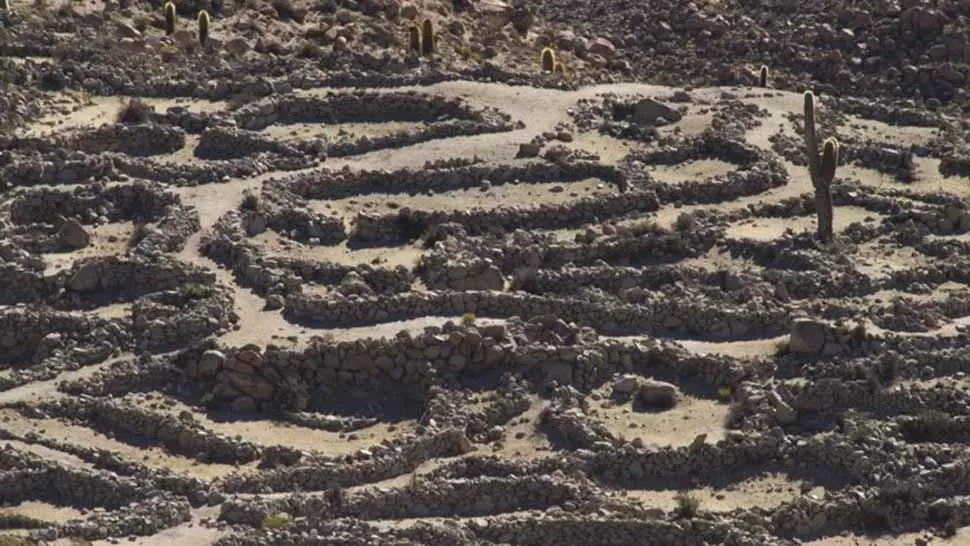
{"x": 718, "y": 320}
{"x": 408, "y": 224}
{"x": 167, "y": 320}
{"x": 91, "y": 202}
{"x": 356, "y": 107}
{"x": 30, "y": 334}
{"x": 171, "y": 233}
{"x": 131, "y": 276}
{"x": 464, "y": 498}
{"x": 72, "y": 168}
{"x": 135, "y": 140}
{"x": 179, "y": 435}
{"x": 223, "y": 143}
{"x": 343, "y": 184}
{"x": 291, "y": 377}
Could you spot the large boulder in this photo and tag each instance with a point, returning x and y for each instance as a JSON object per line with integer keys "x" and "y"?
{"x": 658, "y": 394}
{"x": 808, "y": 336}
{"x": 72, "y": 235}
{"x": 649, "y": 112}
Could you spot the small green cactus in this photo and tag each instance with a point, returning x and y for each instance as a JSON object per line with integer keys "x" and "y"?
{"x": 203, "y": 27}
{"x": 169, "y": 18}
{"x": 427, "y": 37}
{"x": 414, "y": 39}
{"x": 763, "y": 76}
{"x": 821, "y": 167}
{"x": 548, "y": 59}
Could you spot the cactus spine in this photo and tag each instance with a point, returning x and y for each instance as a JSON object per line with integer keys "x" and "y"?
{"x": 169, "y": 18}
{"x": 203, "y": 27}
{"x": 548, "y": 59}
{"x": 821, "y": 167}
{"x": 763, "y": 76}
{"x": 427, "y": 37}
{"x": 414, "y": 39}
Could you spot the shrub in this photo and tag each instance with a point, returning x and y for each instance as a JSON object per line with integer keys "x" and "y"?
{"x": 687, "y": 505}
{"x": 134, "y": 111}
{"x": 277, "y": 521}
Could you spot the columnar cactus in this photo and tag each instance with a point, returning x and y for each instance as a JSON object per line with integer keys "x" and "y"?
{"x": 548, "y": 59}
{"x": 203, "y": 27}
{"x": 559, "y": 69}
{"x": 169, "y": 18}
{"x": 427, "y": 37}
{"x": 821, "y": 167}
{"x": 763, "y": 76}
{"x": 4, "y": 5}
{"x": 414, "y": 39}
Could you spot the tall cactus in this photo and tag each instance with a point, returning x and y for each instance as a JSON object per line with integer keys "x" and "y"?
{"x": 203, "y": 27}
{"x": 427, "y": 37}
{"x": 4, "y": 5}
{"x": 169, "y": 18}
{"x": 763, "y": 76}
{"x": 548, "y": 59}
{"x": 821, "y": 167}
{"x": 414, "y": 39}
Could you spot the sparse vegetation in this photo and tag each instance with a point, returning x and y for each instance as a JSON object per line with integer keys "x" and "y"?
{"x": 277, "y": 521}
{"x": 414, "y": 39}
{"x": 427, "y": 38}
{"x": 468, "y": 319}
{"x": 822, "y": 170}
{"x": 688, "y": 505}
{"x": 169, "y": 18}
{"x": 548, "y": 59}
{"x": 134, "y": 111}
{"x": 203, "y": 27}
{"x": 763, "y": 76}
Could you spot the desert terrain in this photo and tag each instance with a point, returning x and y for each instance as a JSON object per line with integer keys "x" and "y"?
{"x": 300, "y": 280}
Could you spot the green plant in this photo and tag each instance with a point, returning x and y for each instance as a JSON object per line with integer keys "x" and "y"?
{"x": 468, "y": 319}
{"x": 169, "y": 18}
{"x": 548, "y": 59}
{"x": 277, "y": 520}
{"x": 203, "y": 27}
{"x": 559, "y": 69}
{"x": 821, "y": 167}
{"x": 414, "y": 39}
{"x": 427, "y": 37}
{"x": 763, "y": 76}
{"x": 687, "y": 505}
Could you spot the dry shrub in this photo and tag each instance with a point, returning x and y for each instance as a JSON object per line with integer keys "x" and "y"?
{"x": 135, "y": 111}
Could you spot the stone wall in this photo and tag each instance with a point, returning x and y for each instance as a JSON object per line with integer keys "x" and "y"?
{"x": 408, "y": 224}
{"x": 343, "y": 184}
{"x": 223, "y": 143}
{"x": 92, "y": 202}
